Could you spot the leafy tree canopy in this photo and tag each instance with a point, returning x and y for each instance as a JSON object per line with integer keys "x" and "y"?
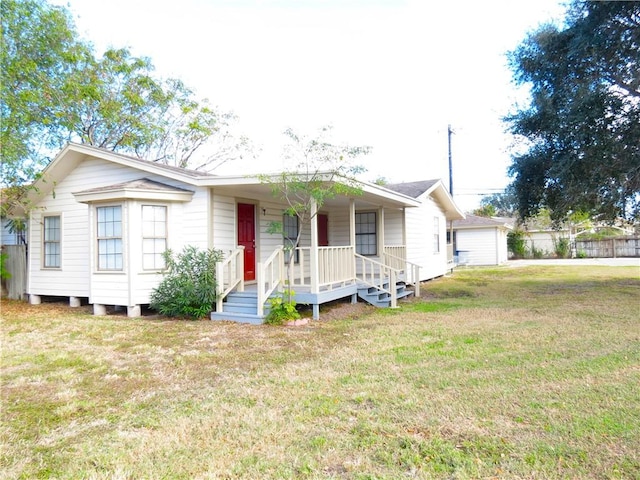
{"x": 581, "y": 128}
{"x": 319, "y": 169}
{"x": 54, "y": 89}
{"x": 498, "y": 204}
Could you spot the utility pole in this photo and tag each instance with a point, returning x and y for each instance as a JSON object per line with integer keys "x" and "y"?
{"x": 449, "y": 133}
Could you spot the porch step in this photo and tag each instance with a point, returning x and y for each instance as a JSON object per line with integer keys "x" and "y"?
{"x": 381, "y": 299}
{"x": 241, "y": 307}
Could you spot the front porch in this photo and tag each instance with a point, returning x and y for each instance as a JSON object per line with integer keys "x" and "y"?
{"x": 321, "y": 275}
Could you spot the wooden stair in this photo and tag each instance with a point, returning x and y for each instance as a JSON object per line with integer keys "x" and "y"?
{"x": 242, "y": 307}
{"x": 378, "y": 297}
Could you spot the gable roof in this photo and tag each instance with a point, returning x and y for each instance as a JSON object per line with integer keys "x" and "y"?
{"x": 142, "y": 188}
{"x": 476, "y": 221}
{"x": 73, "y": 154}
{"x": 430, "y": 188}
{"x": 413, "y": 189}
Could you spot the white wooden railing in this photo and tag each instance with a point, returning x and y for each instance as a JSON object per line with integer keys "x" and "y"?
{"x": 229, "y": 275}
{"x": 271, "y": 276}
{"x": 411, "y": 270}
{"x": 373, "y": 274}
{"x": 396, "y": 254}
{"x": 335, "y": 267}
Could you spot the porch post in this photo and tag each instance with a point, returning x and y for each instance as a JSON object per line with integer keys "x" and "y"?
{"x": 313, "y": 258}
{"x": 352, "y": 222}
{"x": 381, "y": 236}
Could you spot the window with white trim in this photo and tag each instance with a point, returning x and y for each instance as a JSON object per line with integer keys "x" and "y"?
{"x": 366, "y": 233}
{"x": 109, "y": 237}
{"x": 154, "y": 236}
{"x": 436, "y": 234}
{"x": 51, "y": 241}
{"x": 290, "y": 229}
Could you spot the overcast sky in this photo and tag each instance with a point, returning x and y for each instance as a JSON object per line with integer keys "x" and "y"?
{"x": 389, "y": 74}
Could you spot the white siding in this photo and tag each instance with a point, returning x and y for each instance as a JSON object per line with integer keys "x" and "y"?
{"x": 78, "y": 276}
{"x": 224, "y": 223}
{"x": 420, "y": 238}
{"x": 72, "y": 279}
{"x": 483, "y": 245}
{"x": 393, "y": 231}
{"x": 503, "y": 251}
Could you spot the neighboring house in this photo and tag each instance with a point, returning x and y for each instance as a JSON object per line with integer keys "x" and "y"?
{"x": 481, "y": 240}
{"x": 103, "y": 220}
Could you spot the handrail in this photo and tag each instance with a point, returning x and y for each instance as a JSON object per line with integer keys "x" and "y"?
{"x": 235, "y": 258}
{"x": 369, "y": 269}
{"x": 271, "y": 275}
{"x": 412, "y": 273}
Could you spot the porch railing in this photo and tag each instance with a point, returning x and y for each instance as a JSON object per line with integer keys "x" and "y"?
{"x": 229, "y": 275}
{"x": 270, "y": 277}
{"x": 401, "y": 264}
{"x": 374, "y": 273}
{"x": 395, "y": 255}
{"x": 335, "y": 266}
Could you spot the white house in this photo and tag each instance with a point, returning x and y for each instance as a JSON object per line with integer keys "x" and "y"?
{"x": 427, "y": 226}
{"x": 102, "y": 221}
{"x": 481, "y": 240}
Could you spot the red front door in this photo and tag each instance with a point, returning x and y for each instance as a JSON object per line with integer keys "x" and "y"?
{"x": 247, "y": 238}
{"x": 323, "y": 230}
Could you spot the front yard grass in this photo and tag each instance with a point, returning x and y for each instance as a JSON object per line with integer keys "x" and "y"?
{"x": 493, "y": 373}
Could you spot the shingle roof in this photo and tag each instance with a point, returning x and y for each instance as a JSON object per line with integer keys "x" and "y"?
{"x": 477, "y": 221}
{"x": 412, "y": 189}
{"x": 140, "y": 184}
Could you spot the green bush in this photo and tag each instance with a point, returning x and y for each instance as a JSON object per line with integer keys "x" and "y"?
{"x": 516, "y": 243}
{"x": 537, "y": 253}
{"x": 4, "y": 273}
{"x": 188, "y": 288}
{"x": 562, "y": 247}
{"x": 283, "y": 308}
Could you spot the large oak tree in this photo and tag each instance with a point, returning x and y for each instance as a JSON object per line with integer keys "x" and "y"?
{"x": 581, "y": 127}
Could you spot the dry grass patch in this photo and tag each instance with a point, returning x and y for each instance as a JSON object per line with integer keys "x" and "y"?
{"x": 532, "y": 373}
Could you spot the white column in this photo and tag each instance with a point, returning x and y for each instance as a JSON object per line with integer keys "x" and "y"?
{"x": 313, "y": 259}
{"x": 381, "y": 234}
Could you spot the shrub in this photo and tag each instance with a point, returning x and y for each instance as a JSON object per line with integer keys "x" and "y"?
{"x": 283, "y": 308}
{"x": 4, "y": 273}
{"x": 537, "y": 253}
{"x": 188, "y": 288}
{"x": 562, "y": 247}
{"x": 516, "y": 243}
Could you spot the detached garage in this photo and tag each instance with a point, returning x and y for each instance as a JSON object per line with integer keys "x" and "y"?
{"x": 481, "y": 240}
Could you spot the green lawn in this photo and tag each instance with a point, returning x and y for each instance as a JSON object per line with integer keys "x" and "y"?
{"x": 494, "y": 373}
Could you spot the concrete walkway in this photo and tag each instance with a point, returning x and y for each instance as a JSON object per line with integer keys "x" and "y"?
{"x": 605, "y": 262}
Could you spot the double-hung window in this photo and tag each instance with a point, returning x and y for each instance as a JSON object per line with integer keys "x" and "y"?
{"x": 436, "y": 235}
{"x": 51, "y": 240}
{"x": 290, "y": 228}
{"x": 366, "y": 233}
{"x": 109, "y": 236}
{"x": 154, "y": 236}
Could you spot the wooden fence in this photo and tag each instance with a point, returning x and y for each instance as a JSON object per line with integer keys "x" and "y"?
{"x": 609, "y": 247}
{"x": 16, "y": 265}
